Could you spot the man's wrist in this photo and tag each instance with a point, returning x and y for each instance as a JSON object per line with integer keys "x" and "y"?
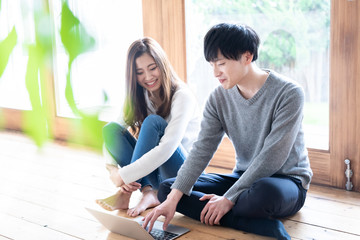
{"x": 175, "y": 195}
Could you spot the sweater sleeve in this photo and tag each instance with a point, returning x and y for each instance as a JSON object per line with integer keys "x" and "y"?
{"x": 182, "y": 109}
{"x": 277, "y": 145}
{"x": 209, "y": 138}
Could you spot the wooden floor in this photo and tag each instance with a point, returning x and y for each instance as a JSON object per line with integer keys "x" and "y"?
{"x": 43, "y": 193}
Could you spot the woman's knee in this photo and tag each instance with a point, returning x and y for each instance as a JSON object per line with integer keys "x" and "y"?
{"x": 110, "y": 129}
{"x": 154, "y": 121}
{"x": 165, "y": 189}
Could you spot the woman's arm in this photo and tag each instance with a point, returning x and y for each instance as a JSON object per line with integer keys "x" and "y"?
{"x": 183, "y": 109}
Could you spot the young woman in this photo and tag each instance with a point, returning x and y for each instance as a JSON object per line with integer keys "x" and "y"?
{"x": 164, "y": 119}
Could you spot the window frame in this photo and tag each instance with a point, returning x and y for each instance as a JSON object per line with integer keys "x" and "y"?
{"x": 164, "y": 20}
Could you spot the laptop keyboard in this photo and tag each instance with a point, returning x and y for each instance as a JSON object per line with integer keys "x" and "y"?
{"x": 162, "y": 235}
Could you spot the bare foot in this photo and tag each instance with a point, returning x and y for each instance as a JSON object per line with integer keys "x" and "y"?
{"x": 148, "y": 200}
{"x": 118, "y": 201}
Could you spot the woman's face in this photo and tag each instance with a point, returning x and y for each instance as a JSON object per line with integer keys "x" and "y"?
{"x": 148, "y": 73}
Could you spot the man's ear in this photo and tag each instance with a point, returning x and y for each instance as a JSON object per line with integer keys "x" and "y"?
{"x": 248, "y": 57}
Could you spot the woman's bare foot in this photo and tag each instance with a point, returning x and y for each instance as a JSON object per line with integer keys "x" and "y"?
{"x": 148, "y": 200}
{"x": 115, "y": 202}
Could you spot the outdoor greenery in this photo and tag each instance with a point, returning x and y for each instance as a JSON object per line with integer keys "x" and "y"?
{"x": 38, "y": 123}
{"x": 295, "y": 39}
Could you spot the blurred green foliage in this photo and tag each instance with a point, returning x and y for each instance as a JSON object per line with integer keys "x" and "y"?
{"x": 287, "y": 14}
{"x": 38, "y": 123}
{"x": 76, "y": 41}
{"x": 294, "y": 41}
{"x": 278, "y": 50}
{"x": 6, "y": 47}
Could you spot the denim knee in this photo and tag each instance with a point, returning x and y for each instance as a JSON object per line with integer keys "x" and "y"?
{"x": 165, "y": 189}
{"x": 263, "y": 199}
{"x": 154, "y": 121}
{"x": 110, "y": 128}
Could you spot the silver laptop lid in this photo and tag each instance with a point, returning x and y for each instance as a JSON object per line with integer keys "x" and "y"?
{"x": 131, "y": 227}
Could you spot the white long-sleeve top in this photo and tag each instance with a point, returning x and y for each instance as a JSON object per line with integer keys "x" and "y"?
{"x": 183, "y": 128}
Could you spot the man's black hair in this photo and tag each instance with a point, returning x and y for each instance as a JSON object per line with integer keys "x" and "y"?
{"x": 232, "y": 40}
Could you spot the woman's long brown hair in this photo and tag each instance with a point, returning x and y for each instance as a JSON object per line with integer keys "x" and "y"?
{"x": 135, "y": 108}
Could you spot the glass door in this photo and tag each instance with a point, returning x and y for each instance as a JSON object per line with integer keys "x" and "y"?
{"x": 295, "y": 41}
{"x": 63, "y": 58}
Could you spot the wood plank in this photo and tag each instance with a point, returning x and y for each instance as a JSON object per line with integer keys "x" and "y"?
{"x": 15, "y": 228}
{"x": 60, "y": 181}
{"x": 299, "y": 230}
{"x": 330, "y": 215}
{"x": 320, "y": 165}
{"x": 4, "y": 238}
{"x": 334, "y": 194}
{"x": 49, "y": 218}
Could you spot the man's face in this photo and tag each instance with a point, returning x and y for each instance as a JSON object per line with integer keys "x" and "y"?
{"x": 230, "y": 72}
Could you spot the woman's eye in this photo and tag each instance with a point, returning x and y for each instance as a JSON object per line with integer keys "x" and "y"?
{"x": 139, "y": 73}
{"x": 152, "y": 69}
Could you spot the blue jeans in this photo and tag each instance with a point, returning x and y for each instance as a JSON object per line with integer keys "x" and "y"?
{"x": 255, "y": 209}
{"x": 125, "y": 149}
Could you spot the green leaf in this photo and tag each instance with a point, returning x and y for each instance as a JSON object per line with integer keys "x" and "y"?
{"x": 35, "y": 121}
{"x": 92, "y": 131}
{"x": 106, "y": 97}
{"x": 73, "y": 34}
{"x": 76, "y": 41}
{"x": 6, "y": 47}
{"x": 69, "y": 95}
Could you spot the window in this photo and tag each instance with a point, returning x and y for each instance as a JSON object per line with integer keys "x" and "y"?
{"x": 98, "y": 75}
{"x": 295, "y": 38}
{"x": 17, "y": 14}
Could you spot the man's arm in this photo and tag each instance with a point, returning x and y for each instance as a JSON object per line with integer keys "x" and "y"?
{"x": 200, "y": 155}
{"x": 203, "y": 149}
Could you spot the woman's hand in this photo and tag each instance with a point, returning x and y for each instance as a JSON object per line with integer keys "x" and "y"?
{"x": 215, "y": 209}
{"x": 131, "y": 187}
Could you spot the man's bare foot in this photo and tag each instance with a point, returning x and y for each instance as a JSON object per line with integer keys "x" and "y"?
{"x": 148, "y": 200}
{"x": 115, "y": 202}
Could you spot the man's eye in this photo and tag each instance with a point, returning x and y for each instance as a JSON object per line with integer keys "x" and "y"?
{"x": 139, "y": 73}
{"x": 221, "y": 64}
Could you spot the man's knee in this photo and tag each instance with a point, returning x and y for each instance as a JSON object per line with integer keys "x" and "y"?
{"x": 264, "y": 198}
{"x": 165, "y": 189}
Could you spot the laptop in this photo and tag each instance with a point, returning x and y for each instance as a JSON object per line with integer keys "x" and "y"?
{"x": 132, "y": 227}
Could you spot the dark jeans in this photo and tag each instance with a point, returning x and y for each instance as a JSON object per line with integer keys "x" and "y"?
{"x": 254, "y": 210}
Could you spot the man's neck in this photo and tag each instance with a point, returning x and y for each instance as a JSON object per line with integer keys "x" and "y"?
{"x": 253, "y": 81}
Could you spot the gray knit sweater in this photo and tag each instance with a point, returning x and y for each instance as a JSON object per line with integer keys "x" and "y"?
{"x": 266, "y": 132}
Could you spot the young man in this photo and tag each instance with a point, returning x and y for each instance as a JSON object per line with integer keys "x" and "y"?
{"x": 261, "y": 112}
